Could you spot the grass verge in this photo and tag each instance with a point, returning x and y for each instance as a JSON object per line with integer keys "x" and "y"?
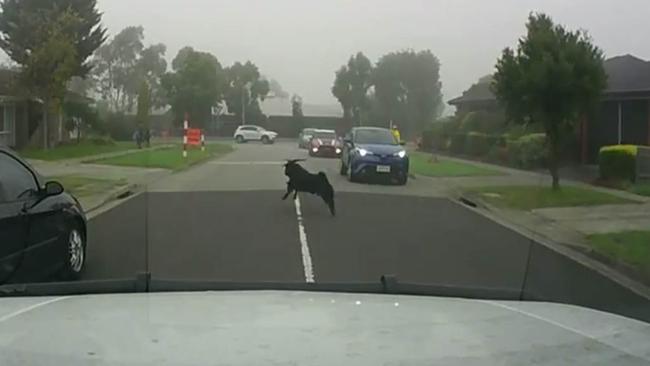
{"x": 167, "y": 158}
{"x": 421, "y": 164}
{"x": 642, "y": 189}
{"x": 83, "y": 186}
{"x": 532, "y": 197}
{"x": 75, "y": 151}
{"x": 630, "y": 247}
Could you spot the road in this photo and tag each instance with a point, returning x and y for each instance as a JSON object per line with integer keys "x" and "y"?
{"x": 224, "y": 220}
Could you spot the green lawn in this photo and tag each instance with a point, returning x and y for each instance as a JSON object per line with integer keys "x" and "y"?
{"x": 84, "y": 186}
{"x": 72, "y": 151}
{"x": 531, "y": 197}
{"x": 631, "y": 247}
{"x": 167, "y": 158}
{"x": 421, "y": 164}
{"x": 642, "y": 189}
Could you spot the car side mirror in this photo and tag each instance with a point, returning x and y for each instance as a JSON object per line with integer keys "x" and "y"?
{"x": 347, "y": 141}
{"x": 53, "y": 188}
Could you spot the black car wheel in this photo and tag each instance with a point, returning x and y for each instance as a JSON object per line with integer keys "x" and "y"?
{"x": 75, "y": 258}
{"x": 239, "y": 139}
{"x": 266, "y": 140}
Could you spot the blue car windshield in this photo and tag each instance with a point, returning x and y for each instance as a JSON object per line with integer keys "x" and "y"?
{"x": 377, "y": 137}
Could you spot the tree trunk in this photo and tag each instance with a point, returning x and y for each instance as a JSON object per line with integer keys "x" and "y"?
{"x": 554, "y": 163}
{"x": 46, "y": 137}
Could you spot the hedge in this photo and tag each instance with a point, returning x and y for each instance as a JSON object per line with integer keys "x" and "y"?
{"x": 457, "y": 143}
{"x": 528, "y": 151}
{"x": 618, "y": 162}
{"x": 477, "y": 144}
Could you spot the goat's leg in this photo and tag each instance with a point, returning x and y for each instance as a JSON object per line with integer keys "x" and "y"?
{"x": 289, "y": 190}
{"x": 295, "y": 194}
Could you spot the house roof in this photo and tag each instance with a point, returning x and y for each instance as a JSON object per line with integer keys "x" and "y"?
{"x": 625, "y": 73}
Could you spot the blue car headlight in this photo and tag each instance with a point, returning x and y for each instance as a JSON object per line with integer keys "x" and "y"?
{"x": 400, "y": 154}
{"x": 363, "y": 152}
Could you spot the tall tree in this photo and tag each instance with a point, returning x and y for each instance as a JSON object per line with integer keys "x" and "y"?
{"x": 144, "y": 105}
{"x": 407, "y": 86}
{"x": 342, "y": 91}
{"x": 359, "y": 75}
{"x": 245, "y": 88}
{"x": 21, "y": 20}
{"x": 51, "y": 41}
{"x": 195, "y": 85}
{"x": 116, "y": 68}
{"x": 150, "y": 68}
{"x": 351, "y": 85}
{"x": 554, "y": 77}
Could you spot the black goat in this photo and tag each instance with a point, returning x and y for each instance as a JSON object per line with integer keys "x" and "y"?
{"x": 300, "y": 180}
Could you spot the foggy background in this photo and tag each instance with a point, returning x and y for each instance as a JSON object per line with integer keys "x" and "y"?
{"x": 301, "y": 43}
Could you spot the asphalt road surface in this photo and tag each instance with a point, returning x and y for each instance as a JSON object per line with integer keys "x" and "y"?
{"x": 224, "y": 220}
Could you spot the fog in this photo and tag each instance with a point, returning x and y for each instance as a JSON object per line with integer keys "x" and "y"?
{"x": 302, "y": 42}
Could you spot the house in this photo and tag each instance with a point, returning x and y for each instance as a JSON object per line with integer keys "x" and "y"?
{"x": 623, "y": 116}
{"x": 21, "y": 116}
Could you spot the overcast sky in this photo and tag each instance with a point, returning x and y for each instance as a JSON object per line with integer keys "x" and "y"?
{"x": 302, "y": 42}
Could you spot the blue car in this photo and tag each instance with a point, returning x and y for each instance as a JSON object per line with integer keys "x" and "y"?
{"x": 373, "y": 152}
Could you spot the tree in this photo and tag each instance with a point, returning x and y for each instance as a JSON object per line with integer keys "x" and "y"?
{"x": 277, "y": 89}
{"x": 51, "y": 41}
{"x": 296, "y": 112}
{"x": 342, "y": 91}
{"x": 150, "y": 68}
{"x": 22, "y": 23}
{"x": 116, "y": 71}
{"x": 554, "y": 77}
{"x": 144, "y": 105}
{"x": 408, "y": 89}
{"x": 195, "y": 86}
{"x": 245, "y": 87}
{"x": 351, "y": 86}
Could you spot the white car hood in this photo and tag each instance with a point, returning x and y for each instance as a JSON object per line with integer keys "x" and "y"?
{"x": 302, "y": 328}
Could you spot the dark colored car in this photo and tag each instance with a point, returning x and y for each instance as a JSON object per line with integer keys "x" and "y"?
{"x": 42, "y": 228}
{"x": 374, "y": 152}
{"x": 325, "y": 143}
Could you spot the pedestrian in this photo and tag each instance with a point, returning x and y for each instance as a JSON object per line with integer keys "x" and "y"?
{"x": 147, "y": 136}
{"x": 396, "y": 134}
{"x": 137, "y": 138}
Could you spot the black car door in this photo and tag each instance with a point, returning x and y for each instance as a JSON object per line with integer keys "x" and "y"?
{"x": 17, "y": 186}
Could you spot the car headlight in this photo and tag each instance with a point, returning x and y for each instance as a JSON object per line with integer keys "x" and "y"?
{"x": 338, "y": 151}
{"x": 400, "y": 154}
{"x": 363, "y": 152}
{"x": 315, "y": 149}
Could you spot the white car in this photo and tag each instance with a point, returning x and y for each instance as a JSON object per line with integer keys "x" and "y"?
{"x": 254, "y": 133}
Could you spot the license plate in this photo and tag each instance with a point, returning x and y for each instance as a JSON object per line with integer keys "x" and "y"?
{"x": 383, "y": 168}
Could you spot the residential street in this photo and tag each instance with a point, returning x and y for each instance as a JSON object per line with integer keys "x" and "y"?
{"x": 224, "y": 220}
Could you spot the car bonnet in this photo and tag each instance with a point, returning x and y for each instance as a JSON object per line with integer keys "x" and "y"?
{"x": 306, "y": 328}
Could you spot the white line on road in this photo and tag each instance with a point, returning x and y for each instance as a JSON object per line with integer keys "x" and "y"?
{"x": 304, "y": 246}
{"x": 246, "y": 162}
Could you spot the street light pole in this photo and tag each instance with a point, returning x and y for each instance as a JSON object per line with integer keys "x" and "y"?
{"x": 245, "y": 91}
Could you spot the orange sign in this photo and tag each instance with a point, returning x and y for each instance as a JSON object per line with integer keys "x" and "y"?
{"x": 194, "y": 136}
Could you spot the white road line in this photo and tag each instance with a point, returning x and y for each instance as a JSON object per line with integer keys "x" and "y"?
{"x": 246, "y": 162}
{"x": 304, "y": 246}
{"x": 30, "y": 308}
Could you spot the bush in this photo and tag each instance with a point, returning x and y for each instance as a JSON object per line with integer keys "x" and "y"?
{"x": 498, "y": 154}
{"x": 618, "y": 162}
{"x": 528, "y": 151}
{"x": 457, "y": 143}
{"x": 477, "y": 144}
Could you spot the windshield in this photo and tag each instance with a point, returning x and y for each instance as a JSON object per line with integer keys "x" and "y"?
{"x": 325, "y": 135}
{"x": 378, "y": 137}
{"x": 490, "y": 150}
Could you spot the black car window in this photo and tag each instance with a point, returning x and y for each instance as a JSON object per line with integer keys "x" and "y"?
{"x": 378, "y": 137}
{"x": 16, "y": 181}
{"x": 325, "y": 135}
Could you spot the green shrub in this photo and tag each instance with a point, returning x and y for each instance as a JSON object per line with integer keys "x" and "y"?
{"x": 528, "y": 151}
{"x": 498, "y": 154}
{"x": 470, "y": 122}
{"x": 457, "y": 143}
{"x": 618, "y": 162}
{"x": 477, "y": 144}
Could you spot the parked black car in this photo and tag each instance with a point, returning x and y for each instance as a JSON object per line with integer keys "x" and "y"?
{"x": 42, "y": 228}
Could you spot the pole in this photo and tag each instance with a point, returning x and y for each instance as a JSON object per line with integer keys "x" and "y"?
{"x": 243, "y": 107}
{"x": 186, "y": 125}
